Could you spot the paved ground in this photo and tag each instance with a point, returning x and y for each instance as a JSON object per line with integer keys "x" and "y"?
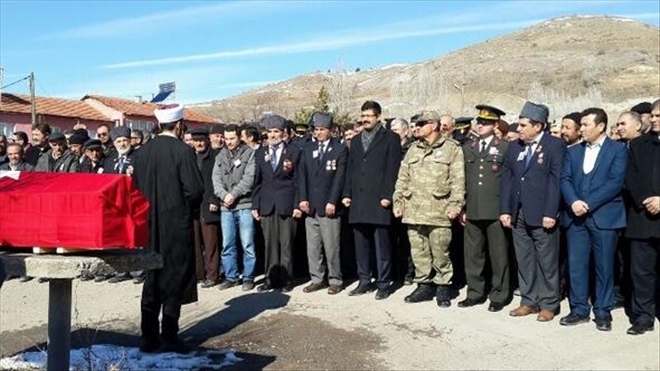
{"x": 319, "y": 331}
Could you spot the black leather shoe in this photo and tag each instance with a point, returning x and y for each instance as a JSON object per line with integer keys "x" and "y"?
{"x": 469, "y": 302}
{"x": 149, "y": 346}
{"x": 604, "y": 324}
{"x": 265, "y": 287}
{"x": 360, "y": 290}
{"x": 444, "y": 303}
{"x": 423, "y": 292}
{"x": 494, "y": 306}
{"x": 573, "y": 319}
{"x": 287, "y": 288}
{"x": 639, "y": 329}
{"x": 207, "y": 283}
{"x": 382, "y": 294}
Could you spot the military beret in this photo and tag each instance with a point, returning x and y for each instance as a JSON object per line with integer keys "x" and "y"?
{"x": 93, "y": 143}
{"x": 642, "y": 108}
{"x": 428, "y": 115}
{"x": 199, "y": 132}
{"x": 217, "y": 129}
{"x": 77, "y": 138}
{"x": 273, "y": 122}
{"x": 120, "y": 131}
{"x": 489, "y": 112}
{"x": 56, "y": 136}
{"x": 321, "y": 120}
{"x": 535, "y": 112}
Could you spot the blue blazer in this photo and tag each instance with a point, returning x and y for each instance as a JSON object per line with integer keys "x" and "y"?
{"x": 536, "y": 188}
{"x": 322, "y": 182}
{"x": 604, "y": 193}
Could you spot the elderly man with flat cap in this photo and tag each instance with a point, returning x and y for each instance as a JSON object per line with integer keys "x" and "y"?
{"x": 323, "y": 171}
{"x": 59, "y": 158}
{"x": 529, "y": 204}
{"x": 168, "y": 177}
{"x": 484, "y": 239}
{"x": 275, "y": 202}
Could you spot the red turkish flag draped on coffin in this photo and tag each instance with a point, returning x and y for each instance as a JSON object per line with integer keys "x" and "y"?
{"x": 85, "y": 211}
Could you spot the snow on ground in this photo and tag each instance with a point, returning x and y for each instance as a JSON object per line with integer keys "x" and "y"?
{"x": 112, "y": 357}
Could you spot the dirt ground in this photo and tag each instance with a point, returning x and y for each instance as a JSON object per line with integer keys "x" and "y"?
{"x": 317, "y": 331}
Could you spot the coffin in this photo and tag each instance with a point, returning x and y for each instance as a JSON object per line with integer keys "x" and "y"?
{"x": 82, "y": 211}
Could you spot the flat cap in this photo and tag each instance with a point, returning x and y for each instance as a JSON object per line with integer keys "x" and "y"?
{"x": 489, "y": 112}
{"x": 93, "y": 143}
{"x": 273, "y": 122}
{"x": 428, "y": 115}
{"x": 199, "y": 132}
{"x": 217, "y": 129}
{"x": 321, "y": 120}
{"x": 78, "y": 138}
{"x": 120, "y": 131}
{"x": 642, "y": 108}
{"x": 56, "y": 136}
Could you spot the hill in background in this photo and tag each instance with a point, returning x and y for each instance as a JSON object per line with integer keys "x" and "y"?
{"x": 567, "y": 63}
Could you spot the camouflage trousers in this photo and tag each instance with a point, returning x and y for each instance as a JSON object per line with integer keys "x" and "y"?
{"x": 429, "y": 248}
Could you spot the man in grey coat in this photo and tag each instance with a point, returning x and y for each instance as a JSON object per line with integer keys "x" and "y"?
{"x": 233, "y": 183}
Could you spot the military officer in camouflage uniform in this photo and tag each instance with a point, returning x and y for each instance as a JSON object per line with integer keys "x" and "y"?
{"x": 429, "y": 194}
{"x": 484, "y": 235}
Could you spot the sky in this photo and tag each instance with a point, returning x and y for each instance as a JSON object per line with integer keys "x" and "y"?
{"x": 214, "y": 50}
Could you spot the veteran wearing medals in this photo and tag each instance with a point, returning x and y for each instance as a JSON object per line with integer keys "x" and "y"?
{"x": 484, "y": 236}
{"x": 429, "y": 194}
{"x": 323, "y": 172}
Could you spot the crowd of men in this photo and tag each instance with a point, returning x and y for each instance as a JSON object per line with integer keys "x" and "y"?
{"x": 552, "y": 209}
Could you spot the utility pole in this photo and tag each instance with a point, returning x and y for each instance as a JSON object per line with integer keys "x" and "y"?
{"x": 33, "y": 100}
{"x": 461, "y": 87}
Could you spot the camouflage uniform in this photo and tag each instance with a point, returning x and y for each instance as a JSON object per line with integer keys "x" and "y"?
{"x": 431, "y": 182}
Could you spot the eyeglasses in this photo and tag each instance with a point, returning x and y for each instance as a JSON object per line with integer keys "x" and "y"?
{"x": 485, "y": 122}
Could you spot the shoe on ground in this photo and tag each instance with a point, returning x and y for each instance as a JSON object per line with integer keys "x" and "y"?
{"x": 360, "y": 290}
{"x": 314, "y": 286}
{"x": 119, "y": 278}
{"x": 149, "y": 346}
{"x": 639, "y": 329}
{"x": 382, "y": 294}
{"x": 288, "y": 287}
{"x": 603, "y": 323}
{"x": 102, "y": 277}
{"x": 470, "y": 302}
{"x": 545, "y": 315}
{"x": 265, "y": 287}
{"x": 573, "y": 319}
{"x": 423, "y": 292}
{"x": 174, "y": 347}
{"x": 227, "y": 284}
{"x": 25, "y": 279}
{"x": 334, "y": 289}
{"x": 523, "y": 310}
{"x": 495, "y": 306}
{"x": 42, "y": 280}
{"x": 248, "y": 285}
{"x": 208, "y": 283}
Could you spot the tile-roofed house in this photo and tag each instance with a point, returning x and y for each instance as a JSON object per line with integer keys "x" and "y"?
{"x": 140, "y": 115}
{"x": 59, "y": 113}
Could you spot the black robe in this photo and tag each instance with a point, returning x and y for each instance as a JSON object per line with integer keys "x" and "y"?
{"x": 165, "y": 171}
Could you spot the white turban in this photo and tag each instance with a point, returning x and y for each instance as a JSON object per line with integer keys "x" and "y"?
{"x": 169, "y": 113}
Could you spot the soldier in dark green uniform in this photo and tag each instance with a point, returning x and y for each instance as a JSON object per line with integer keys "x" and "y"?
{"x": 462, "y": 128}
{"x": 484, "y": 235}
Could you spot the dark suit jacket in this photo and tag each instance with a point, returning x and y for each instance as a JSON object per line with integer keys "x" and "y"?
{"x": 535, "y": 189}
{"x": 276, "y": 191}
{"x": 208, "y": 161}
{"x": 643, "y": 181}
{"x": 371, "y": 176}
{"x": 111, "y": 164}
{"x": 322, "y": 182}
{"x": 603, "y": 194}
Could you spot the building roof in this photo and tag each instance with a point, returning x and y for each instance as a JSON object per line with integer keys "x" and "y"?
{"x": 20, "y": 103}
{"x": 130, "y": 107}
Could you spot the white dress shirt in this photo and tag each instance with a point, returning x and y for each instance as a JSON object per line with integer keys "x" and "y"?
{"x": 591, "y": 154}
